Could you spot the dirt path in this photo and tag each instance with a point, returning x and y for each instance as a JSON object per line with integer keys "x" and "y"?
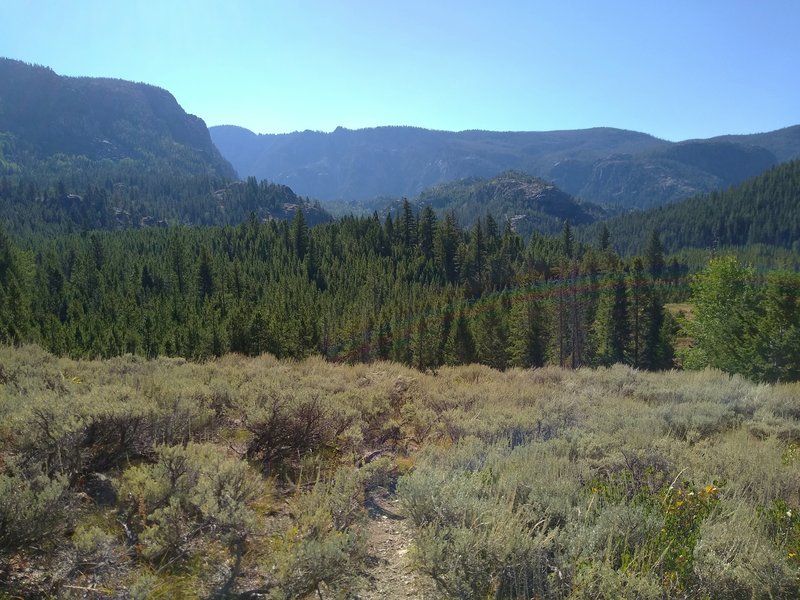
{"x": 390, "y": 574}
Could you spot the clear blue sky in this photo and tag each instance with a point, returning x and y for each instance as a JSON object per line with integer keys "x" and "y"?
{"x": 674, "y": 68}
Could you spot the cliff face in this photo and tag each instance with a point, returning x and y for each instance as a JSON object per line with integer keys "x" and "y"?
{"x": 43, "y": 114}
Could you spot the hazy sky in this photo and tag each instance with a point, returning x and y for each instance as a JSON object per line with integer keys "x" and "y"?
{"x": 677, "y": 69}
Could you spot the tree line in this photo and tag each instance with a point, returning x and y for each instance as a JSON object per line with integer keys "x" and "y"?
{"x": 411, "y": 288}
{"x": 86, "y": 195}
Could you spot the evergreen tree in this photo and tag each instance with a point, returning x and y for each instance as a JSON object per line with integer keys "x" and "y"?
{"x": 492, "y": 234}
{"x": 299, "y": 235}
{"x": 408, "y": 226}
{"x": 260, "y": 340}
{"x": 654, "y": 256}
{"x": 460, "y": 348}
{"x": 446, "y": 248}
{"x": 567, "y": 240}
{"x": 657, "y": 353}
{"x": 424, "y": 343}
{"x": 638, "y": 304}
{"x": 610, "y": 330}
{"x": 491, "y": 336}
{"x": 205, "y": 275}
{"x": 778, "y": 333}
{"x": 527, "y": 339}
{"x": 604, "y": 238}
{"x": 427, "y": 229}
{"x": 726, "y": 312}
{"x": 15, "y": 314}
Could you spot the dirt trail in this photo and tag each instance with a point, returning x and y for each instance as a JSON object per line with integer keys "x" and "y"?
{"x": 390, "y": 574}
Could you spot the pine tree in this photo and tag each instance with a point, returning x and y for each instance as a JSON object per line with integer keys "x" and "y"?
{"x": 639, "y": 298}
{"x": 567, "y": 240}
{"x": 527, "y": 340}
{"x": 657, "y": 353}
{"x": 205, "y": 275}
{"x": 778, "y": 339}
{"x": 299, "y": 234}
{"x": 491, "y": 336}
{"x": 259, "y": 339}
{"x": 446, "y": 247}
{"x": 15, "y": 303}
{"x": 424, "y": 343}
{"x": 604, "y": 239}
{"x": 408, "y": 226}
{"x": 610, "y": 330}
{"x": 726, "y": 314}
{"x": 460, "y": 347}
{"x": 654, "y": 256}
{"x": 427, "y": 229}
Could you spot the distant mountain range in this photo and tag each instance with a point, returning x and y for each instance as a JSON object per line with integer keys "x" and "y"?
{"x": 43, "y": 115}
{"x": 602, "y": 165}
{"x": 79, "y": 153}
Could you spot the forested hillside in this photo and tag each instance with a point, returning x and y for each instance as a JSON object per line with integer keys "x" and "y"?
{"x": 601, "y": 165}
{"x": 412, "y": 289}
{"x": 528, "y": 203}
{"x": 764, "y": 210}
{"x": 53, "y": 119}
{"x": 89, "y": 199}
{"x": 79, "y": 154}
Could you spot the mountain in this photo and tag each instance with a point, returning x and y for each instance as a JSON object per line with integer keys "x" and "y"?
{"x": 763, "y": 210}
{"x": 528, "y": 203}
{"x": 80, "y": 153}
{"x": 44, "y": 115}
{"x": 601, "y": 165}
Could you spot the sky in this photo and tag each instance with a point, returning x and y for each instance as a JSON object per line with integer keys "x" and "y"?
{"x": 677, "y": 69}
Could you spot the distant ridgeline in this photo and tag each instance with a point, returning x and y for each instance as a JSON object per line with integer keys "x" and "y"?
{"x": 601, "y": 165}
{"x": 82, "y": 153}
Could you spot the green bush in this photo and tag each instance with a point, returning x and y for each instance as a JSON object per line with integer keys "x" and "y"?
{"x": 325, "y": 544}
{"x": 32, "y": 508}
{"x": 188, "y": 491}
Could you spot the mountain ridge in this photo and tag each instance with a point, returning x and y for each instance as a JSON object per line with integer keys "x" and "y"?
{"x": 603, "y": 165}
{"x": 43, "y": 114}
{"x": 79, "y": 153}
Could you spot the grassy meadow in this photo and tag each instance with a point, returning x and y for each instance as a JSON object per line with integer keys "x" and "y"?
{"x": 250, "y": 478}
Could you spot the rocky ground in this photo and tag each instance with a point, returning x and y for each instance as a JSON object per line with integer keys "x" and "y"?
{"x": 390, "y": 573}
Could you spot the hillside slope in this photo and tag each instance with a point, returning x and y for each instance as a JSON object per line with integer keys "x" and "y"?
{"x": 80, "y": 153}
{"x": 528, "y": 203}
{"x": 43, "y": 114}
{"x": 594, "y": 482}
{"x": 763, "y": 210}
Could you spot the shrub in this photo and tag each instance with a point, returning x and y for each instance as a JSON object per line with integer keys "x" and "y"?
{"x": 285, "y": 426}
{"x": 186, "y": 492}
{"x": 325, "y": 544}
{"x": 735, "y": 558}
{"x": 31, "y": 508}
